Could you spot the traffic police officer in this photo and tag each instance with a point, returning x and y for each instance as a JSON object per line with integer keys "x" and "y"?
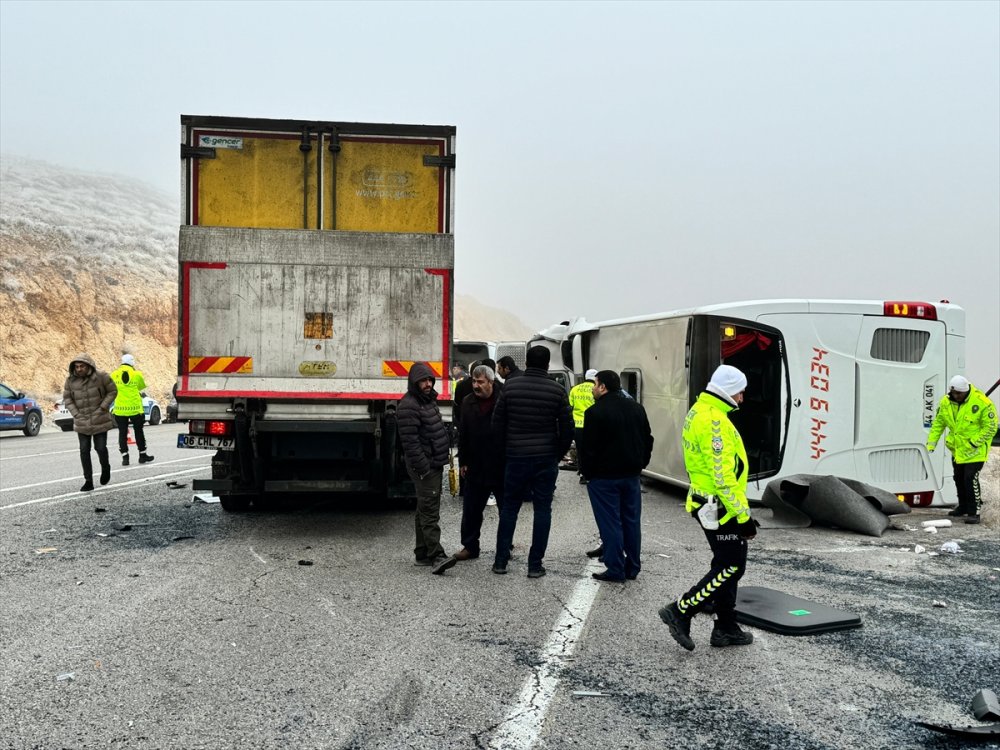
{"x": 716, "y": 463}
{"x": 128, "y": 408}
{"x": 971, "y": 421}
{"x": 581, "y": 398}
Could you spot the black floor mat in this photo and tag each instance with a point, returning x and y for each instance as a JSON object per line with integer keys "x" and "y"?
{"x": 789, "y": 615}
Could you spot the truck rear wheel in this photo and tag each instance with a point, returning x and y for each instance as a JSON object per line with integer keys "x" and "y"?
{"x": 235, "y": 503}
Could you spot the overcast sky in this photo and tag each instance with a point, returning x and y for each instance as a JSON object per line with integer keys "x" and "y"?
{"x": 613, "y": 159}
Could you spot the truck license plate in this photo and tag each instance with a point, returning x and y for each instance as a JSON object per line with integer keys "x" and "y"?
{"x": 205, "y": 441}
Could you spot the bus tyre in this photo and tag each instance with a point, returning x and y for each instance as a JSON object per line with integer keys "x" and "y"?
{"x": 235, "y": 503}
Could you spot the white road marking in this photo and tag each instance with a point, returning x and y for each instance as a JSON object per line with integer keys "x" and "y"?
{"x": 36, "y": 455}
{"x": 102, "y": 490}
{"x": 76, "y": 478}
{"x": 520, "y": 729}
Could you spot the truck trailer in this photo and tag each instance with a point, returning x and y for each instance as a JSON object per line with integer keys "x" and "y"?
{"x": 316, "y": 266}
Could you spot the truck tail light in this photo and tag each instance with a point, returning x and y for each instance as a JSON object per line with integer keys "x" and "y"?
{"x": 218, "y": 427}
{"x": 921, "y": 310}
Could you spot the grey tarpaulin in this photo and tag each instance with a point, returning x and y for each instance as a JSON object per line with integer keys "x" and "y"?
{"x": 802, "y": 500}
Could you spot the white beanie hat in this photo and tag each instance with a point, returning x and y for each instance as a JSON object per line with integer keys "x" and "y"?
{"x": 727, "y": 381}
{"x": 958, "y": 383}
{"x": 591, "y": 374}
{"x": 128, "y": 359}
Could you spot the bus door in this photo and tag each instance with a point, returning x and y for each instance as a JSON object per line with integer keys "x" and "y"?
{"x": 902, "y": 373}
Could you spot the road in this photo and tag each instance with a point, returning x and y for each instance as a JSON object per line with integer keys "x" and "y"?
{"x": 135, "y": 617}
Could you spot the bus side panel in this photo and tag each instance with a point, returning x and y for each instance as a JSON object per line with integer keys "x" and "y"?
{"x": 821, "y": 371}
{"x": 656, "y": 350}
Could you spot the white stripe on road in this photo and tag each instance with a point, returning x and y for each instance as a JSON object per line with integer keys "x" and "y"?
{"x": 66, "y": 479}
{"x": 36, "y": 455}
{"x": 520, "y": 729}
{"x": 103, "y": 490}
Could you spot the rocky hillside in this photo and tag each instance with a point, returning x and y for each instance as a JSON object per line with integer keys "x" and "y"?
{"x": 88, "y": 263}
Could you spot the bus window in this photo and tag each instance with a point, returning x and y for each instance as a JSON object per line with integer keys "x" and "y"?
{"x": 632, "y": 383}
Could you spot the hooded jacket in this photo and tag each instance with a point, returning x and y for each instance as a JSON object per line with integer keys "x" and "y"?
{"x": 422, "y": 432}
{"x": 89, "y": 398}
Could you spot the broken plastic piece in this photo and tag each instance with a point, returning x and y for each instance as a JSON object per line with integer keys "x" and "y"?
{"x": 941, "y": 523}
{"x": 590, "y": 694}
{"x": 985, "y": 705}
{"x": 176, "y": 485}
{"x": 305, "y": 562}
{"x": 938, "y": 603}
{"x": 65, "y": 676}
{"x": 951, "y": 548}
{"x": 918, "y": 549}
{"x": 977, "y": 733}
{"x": 205, "y": 497}
{"x": 46, "y": 550}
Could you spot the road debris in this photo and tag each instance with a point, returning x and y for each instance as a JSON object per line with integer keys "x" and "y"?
{"x": 305, "y": 562}
{"x": 590, "y": 694}
{"x": 174, "y": 485}
{"x": 940, "y": 523}
{"x": 951, "y": 548}
{"x": 46, "y": 550}
{"x": 937, "y": 603}
{"x": 918, "y": 549}
{"x": 66, "y": 677}
{"x": 204, "y": 497}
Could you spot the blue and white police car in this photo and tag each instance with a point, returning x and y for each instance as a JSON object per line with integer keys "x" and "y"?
{"x": 18, "y": 412}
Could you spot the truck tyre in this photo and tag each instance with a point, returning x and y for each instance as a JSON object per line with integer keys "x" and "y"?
{"x": 33, "y": 424}
{"x": 235, "y": 503}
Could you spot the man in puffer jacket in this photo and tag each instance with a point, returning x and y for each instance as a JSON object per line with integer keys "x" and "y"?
{"x": 533, "y": 422}
{"x": 425, "y": 442}
{"x": 88, "y": 394}
{"x": 128, "y": 408}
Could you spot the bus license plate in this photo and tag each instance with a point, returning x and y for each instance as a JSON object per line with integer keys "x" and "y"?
{"x": 206, "y": 441}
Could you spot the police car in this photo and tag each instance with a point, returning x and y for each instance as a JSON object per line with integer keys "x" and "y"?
{"x": 64, "y": 420}
{"x": 18, "y": 412}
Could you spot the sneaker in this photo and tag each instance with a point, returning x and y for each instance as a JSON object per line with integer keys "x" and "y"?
{"x": 442, "y": 564}
{"x": 973, "y": 518}
{"x": 144, "y": 459}
{"x": 957, "y": 512}
{"x": 536, "y": 572}
{"x": 679, "y": 624}
{"x": 499, "y": 569}
{"x": 124, "y": 459}
{"x": 730, "y": 636}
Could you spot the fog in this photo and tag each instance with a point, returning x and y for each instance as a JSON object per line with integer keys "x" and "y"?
{"x": 612, "y": 159}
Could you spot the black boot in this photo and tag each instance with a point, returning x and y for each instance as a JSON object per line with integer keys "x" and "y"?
{"x": 105, "y": 473}
{"x": 730, "y": 635}
{"x": 144, "y": 459}
{"x": 88, "y": 485}
{"x": 124, "y": 459}
{"x": 679, "y": 624}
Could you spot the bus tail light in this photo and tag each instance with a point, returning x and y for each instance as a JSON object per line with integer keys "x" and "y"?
{"x": 921, "y": 310}
{"x": 916, "y": 499}
{"x": 216, "y": 427}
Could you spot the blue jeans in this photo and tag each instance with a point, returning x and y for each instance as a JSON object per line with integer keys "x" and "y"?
{"x": 533, "y": 480}
{"x": 617, "y": 505}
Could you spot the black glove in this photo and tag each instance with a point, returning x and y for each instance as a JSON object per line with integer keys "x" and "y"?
{"x": 748, "y": 530}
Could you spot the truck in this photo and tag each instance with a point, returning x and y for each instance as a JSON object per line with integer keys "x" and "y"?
{"x": 841, "y": 387}
{"x": 316, "y": 265}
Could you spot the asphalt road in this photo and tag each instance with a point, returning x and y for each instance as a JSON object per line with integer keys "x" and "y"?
{"x": 159, "y": 622}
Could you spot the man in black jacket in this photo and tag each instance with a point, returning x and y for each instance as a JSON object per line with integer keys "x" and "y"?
{"x": 480, "y": 458}
{"x": 507, "y": 368}
{"x": 425, "y": 449}
{"x": 533, "y": 422}
{"x": 617, "y": 443}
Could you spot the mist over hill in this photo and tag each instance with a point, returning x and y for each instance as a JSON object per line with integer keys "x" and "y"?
{"x": 88, "y": 262}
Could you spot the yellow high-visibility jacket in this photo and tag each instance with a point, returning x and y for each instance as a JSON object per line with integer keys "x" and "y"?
{"x": 715, "y": 458}
{"x": 130, "y": 383}
{"x": 581, "y": 398}
{"x": 971, "y": 426}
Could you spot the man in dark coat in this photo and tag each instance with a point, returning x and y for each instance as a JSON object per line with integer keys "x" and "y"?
{"x": 480, "y": 457}
{"x": 507, "y": 368}
{"x": 617, "y": 444}
{"x": 88, "y": 394}
{"x": 425, "y": 443}
{"x": 533, "y": 422}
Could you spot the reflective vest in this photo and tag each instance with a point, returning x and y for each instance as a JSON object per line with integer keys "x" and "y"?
{"x": 581, "y": 398}
{"x": 129, "y": 382}
{"x": 715, "y": 458}
{"x": 971, "y": 426}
